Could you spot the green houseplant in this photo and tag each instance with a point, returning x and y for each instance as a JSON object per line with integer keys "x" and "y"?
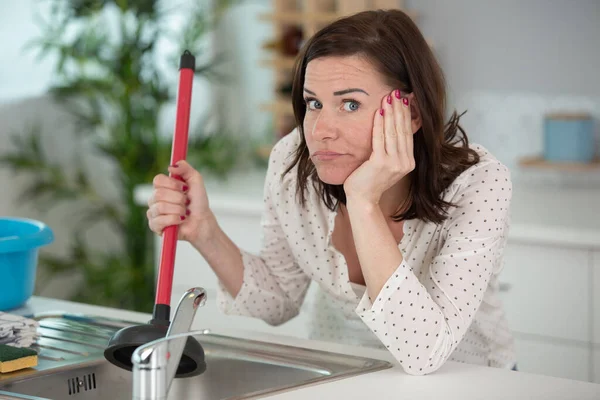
{"x": 108, "y": 79}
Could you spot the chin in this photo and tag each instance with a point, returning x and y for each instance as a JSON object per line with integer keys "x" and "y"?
{"x": 333, "y": 176}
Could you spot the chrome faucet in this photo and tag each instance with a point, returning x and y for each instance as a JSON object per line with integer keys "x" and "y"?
{"x": 155, "y": 363}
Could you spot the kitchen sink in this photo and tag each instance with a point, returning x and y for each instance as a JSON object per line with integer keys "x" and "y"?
{"x": 72, "y": 365}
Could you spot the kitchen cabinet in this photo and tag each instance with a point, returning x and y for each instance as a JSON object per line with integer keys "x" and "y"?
{"x": 550, "y": 308}
{"x": 548, "y": 302}
{"x": 595, "y": 260}
{"x": 570, "y": 361}
{"x": 548, "y": 290}
{"x": 596, "y": 367}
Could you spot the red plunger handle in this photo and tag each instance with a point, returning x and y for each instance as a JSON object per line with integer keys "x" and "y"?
{"x": 178, "y": 152}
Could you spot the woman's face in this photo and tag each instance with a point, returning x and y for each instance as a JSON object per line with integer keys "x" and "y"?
{"x": 342, "y": 95}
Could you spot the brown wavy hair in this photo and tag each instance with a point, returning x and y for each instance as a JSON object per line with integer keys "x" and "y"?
{"x": 392, "y": 42}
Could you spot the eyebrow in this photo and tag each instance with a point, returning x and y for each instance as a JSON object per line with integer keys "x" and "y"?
{"x": 340, "y": 92}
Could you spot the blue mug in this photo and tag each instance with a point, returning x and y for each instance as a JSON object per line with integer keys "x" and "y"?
{"x": 569, "y": 138}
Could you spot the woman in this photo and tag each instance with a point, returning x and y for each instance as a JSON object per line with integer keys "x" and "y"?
{"x": 400, "y": 221}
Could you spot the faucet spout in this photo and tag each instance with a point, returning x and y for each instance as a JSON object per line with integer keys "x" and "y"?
{"x": 155, "y": 364}
{"x": 182, "y": 322}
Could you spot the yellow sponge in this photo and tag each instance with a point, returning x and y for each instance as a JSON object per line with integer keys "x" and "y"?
{"x": 16, "y": 358}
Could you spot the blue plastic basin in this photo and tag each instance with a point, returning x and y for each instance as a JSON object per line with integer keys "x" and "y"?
{"x": 20, "y": 240}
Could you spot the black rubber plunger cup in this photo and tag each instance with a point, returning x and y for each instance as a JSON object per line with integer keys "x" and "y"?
{"x": 124, "y": 342}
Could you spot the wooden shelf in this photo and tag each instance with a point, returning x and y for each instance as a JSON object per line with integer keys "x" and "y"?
{"x": 279, "y": 107}
{"x": 263, "y": 152}
{"x": 279, "y": 62}
{"x": 540, "y": 163}
{"x": 300, "y": 18}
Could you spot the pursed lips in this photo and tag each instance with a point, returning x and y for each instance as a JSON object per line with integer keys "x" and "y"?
{"x": 326, "y": 155}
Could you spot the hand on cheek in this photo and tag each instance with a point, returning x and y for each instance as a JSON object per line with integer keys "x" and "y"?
{"x": 392, "y": 156}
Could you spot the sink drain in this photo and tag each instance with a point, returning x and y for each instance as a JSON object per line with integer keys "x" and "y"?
{"x": 77, "y": 385}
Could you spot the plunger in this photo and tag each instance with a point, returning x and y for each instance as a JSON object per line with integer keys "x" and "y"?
{"x": 124, "y": 342}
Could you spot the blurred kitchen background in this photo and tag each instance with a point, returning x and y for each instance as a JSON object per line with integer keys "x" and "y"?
{"x": 85, "y": 128}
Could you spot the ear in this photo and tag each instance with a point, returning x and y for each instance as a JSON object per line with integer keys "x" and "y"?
{"x": 415, "y": 113}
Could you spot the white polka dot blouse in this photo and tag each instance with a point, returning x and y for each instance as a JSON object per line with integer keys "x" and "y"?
{"x": 442, "y": 301}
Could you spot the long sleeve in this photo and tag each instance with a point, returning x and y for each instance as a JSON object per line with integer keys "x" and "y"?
{"x": 421, "y": 322}
{"x": 274, "y": 286}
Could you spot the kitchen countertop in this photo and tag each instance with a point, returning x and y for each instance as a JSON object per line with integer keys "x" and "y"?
{"x": 452, "y": 381}
{"x": 542, "y": 214}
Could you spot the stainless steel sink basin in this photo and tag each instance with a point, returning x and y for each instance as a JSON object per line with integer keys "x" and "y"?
{"x": 72, "y": 365}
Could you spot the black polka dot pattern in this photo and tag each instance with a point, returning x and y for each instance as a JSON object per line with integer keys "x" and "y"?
{"x": 440, "y": 303}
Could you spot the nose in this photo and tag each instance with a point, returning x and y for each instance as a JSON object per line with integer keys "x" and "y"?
{"x": 324, "y": 127}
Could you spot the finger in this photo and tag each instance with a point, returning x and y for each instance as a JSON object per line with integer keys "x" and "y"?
{"x": 158, "y": 224}
{"x": 164, "y": 208}
{"x": 408, "y": 136}
{"x": 407, "y": 121}
{"x": 184, "y": 170}
{"x": 169, "y": 196}
{"x": 399, "y": 117}
{"x": 167, "y": 182}
{"x": 391, "y": 141}
{"x": 378, "y": 139}
{"x": 151, "y": 223}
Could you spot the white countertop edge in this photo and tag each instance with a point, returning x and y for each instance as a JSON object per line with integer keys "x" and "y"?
{"x": 452, "y": 381}
{"x": 552, "y": 235}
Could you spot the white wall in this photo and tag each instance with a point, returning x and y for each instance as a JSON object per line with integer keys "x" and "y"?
{"x": 21, "y": 75}
{"x": 549, "y": 47}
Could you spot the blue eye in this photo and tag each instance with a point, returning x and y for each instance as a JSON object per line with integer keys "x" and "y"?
{"x": 314, "y": 104}
{"x": 351, "y": 105}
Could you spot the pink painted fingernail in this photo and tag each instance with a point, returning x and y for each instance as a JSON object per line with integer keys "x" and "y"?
{"x": 185, "y": 188}
{"x": 182, "y": 217}
{"x": 397, "y": 93}
{"x": 187, "y": 202}
{"x": 405, "y": 101}
{"x": 187, "y": 212}
{"x": 389, "y": 99}
{"x": 381, "y": 111}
